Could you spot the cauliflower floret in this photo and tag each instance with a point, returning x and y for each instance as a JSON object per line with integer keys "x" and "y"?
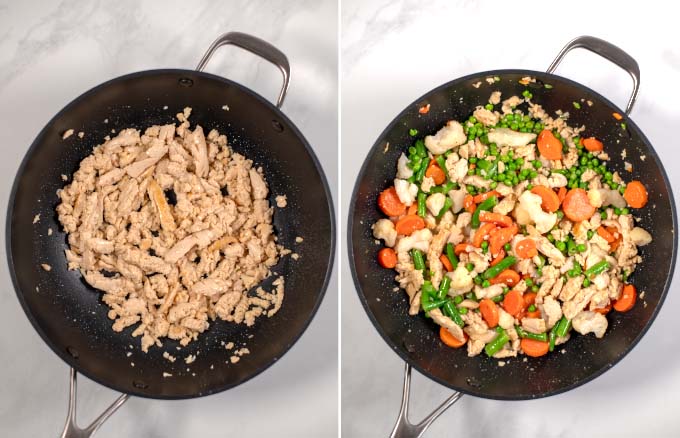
{"x": 605, "y": 197}
{"x": 384, "y": 229}
{"x": 531, "y": 203}
{"x": 435, "y": 202}
{"x": 427, "y": 184}
{"x": 461, "y": 281}
{"x": 590, "y": 322}
{"x": 406, "y": 191}
{"x": 640, "y": 237}
{"x": 508, "y": 137}
{"x": 403, "y": 171}
{"x": 457, "y": 199}
{"x": 418, "y": 239}
{"x": 449, "y": 136}
{"x": 557, "y": 180}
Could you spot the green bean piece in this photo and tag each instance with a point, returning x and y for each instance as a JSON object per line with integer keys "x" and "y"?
{"x": 563, "y": 327}
{"x": 525, "y": 334}
{"x": 552, "y": 337}
{"x": 447, "y": 205}
{"x": 452, "y": 312}
{"x": 418, "y": 260}
{"x": 420, "y": 148}
{"x": 498, "y": 343}
{"x": 500, "y": 267}
{"x": 451, "y": 255}
{"x": 444, "y": 288}
{"x": 485, "y": 205}
{"x": 422, "y": 210}
{"x": 477, "y": 280}
{"x": 442, "y": 163}
{"x": 571, "y": 247}
{"x": 431, "y": 305}
{"x": 597, "y": 268}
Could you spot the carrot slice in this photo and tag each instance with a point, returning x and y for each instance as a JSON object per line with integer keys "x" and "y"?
{"x": 606, "y": 235}
{"x": 500, "y": 237}
{"x": 615, "y": 245}
{"x": 627, "y": 299}
{"x": 469, "y": 203}
{"x": 561, "y": 193}
{"x": 483, "y": 234}
{"x": 534, "y": 314}
{"x": 550, "y": 202}
{"x": 483, "y": 196}
{"x": 593, "y": 144}
{"x": 446, "y": 262}
{"x": 496, "y": 218}
{"x": 636, "y": 194}
{"x": 489, "y": 312}
{"x": 507, "y": 277}
{"x": 529, "y": 299}
{"x": 387, "y": 258}
{"x": 576, "y": 205}
{"x": 498, "y": 258}
{"x": 526, "y": 248}
{"x": 389, "y": 202}
{"x": 617, "y": 116}
{"x": 408, "y": 224}
{"x": 461, "y": 248}
{"x": 424, "y": 109}
{"x": 603, "y": 310}
{"x": 534, "y": 348}
{"x": 450, "y": 340}
{"x": 413, "y": 209}
{"x": 435, "y": 172}
{"x": 513, "y": 303}
{"x": 549, "y": 146}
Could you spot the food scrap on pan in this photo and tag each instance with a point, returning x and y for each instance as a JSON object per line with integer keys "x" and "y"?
{"x": 149, "y": 226}
{"x": 510, "y": 229}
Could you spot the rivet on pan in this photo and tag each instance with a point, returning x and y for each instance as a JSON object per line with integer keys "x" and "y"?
{"x": 139, "y": 384}
{"x": 186, "y": 82}
{"x": 278, "y": 127}
{"x": 73, "y": 352}
{"x": 474, "y": 382}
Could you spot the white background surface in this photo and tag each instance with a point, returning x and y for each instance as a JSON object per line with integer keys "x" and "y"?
{"x": 395, "y": 51}
{"x": 51, "y": 52}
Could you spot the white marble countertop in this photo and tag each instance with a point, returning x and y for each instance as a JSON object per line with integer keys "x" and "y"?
{"x": 51, "y": 52}
{"x": 393, "y": 52}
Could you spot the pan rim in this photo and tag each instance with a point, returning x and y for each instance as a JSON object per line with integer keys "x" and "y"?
{"x": 352, "y": 256}
{"x": 72, "y": 362}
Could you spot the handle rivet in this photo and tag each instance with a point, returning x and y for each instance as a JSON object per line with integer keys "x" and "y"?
{"x": 73, "y": 352}
{"x": 186, "y": 82}
{"x": 278, "y": 127}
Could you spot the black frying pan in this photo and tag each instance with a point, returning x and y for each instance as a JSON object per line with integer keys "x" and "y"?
{"x": 415, "y": 339}
{"x": 69, "y": 315}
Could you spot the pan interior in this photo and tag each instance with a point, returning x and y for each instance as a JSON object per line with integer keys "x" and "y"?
{"x": 69, "y": 314}
{"x": 581, "y": 359}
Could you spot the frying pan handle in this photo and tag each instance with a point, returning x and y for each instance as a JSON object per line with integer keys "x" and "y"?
{"x": 403, "y": 428}
{"x": 257, "y": 47}
{"x": 71, "y": 429}
{"x": 608, "y": 51}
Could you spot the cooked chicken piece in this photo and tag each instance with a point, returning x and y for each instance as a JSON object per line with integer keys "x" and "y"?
{"x": 486, "y": 117}
{"x": 403, "y": 171}
{"x": 557, "y": 180}
{"x": 101, "y": 246}
{"x": 551, "y": 311}
{"x": 510, "y": 103}
{"x": 427, "y": 184}
{"x": 578, "y": 303}
{"x": 384, "y": 229}
{"x": 488, "y": 292}
{"x": 448, "y": 137}
{"x": 458, "y": 199}
{"x": 195, "y": 143}
{"x": 433, "y": 253}
{"x": 640, "y": 237}
{"x": 152, "y": 156}
{"x": 495, "y": 98}
{"x": 446, "y": 322}
{"x": 508, "y": 137}
{"x": 590, "y": 322}
{"x": 474, "y": 347}
{"x": 209, "y": 287}
{"x": 549, "y": 250}
{"x": 456, "y": 167}
{"x": 505, "y": 320}
{"x": 161, "y": 205}
{"x": 534, "y": 325}
{"x": 506, "y": 205}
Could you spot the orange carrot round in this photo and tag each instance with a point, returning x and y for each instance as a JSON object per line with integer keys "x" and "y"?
{"x": 526, "y": 248}
{"x": 450, "y": 340}
{"x": 408, "y": 224}
{"x": 496, "y": 218}
{"x": 549, "y": 146}
{"x": 489, "y": 312}
{"x": 446, "y": 262}
{"x": 627, "y": 299}
{"x": 592, "y": 144}
{"x": 389, "y": 202}
{"x": 534, "y": 348}
{"x": 435, "y": 172}
{"x": 507, "y": 277}
{"x": 636, "y": 194}
{"x": 513, "y": 303}
{"x": 387, "y": 258}
{"x": 576, "y": 205}
{"x": 550, "y": 202}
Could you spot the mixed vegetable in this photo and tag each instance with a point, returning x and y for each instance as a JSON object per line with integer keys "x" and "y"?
{"x": 509, "y": 230}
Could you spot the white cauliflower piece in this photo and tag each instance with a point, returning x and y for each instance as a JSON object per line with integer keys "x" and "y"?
{"x": 435, "y": 202}
{"x": 605, "y": 197}
{"x": 557, "y": 180}
{"x": 461, "y": 281}
{"x": 590, "y": 322}
{"x": 508, "y": 137}
{"x": 406, "y": 191}
{"x": 640, "y": 237}
{"x": 449, "y": 136}
{"x": 403, "y": 171}
{"x": 419, "y": 240}
{"x": 531, "y": 203}
{"x": 384, "y": 229}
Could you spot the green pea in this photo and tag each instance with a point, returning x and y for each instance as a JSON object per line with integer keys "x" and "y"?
{"x": 561, "y": 246}
{"x": 507, "y": 247}
{"x": 473, "y": 160}
{"x": 469, "y": 266}
{"x": 590, "y": 234}
{"x": 537, "y": 164}
{"x": 471, "y": 172}
{"x": 486, "y": 283}
{"x": 534, "y": 288}
{"x": 529, "y": 282}
{"x": 493, "y": 185}
{"x": 472, "y": 119}
{"x": 617, "y": 211}
{"x": 551, "y": 238}
{"x": 586, "y": 282}
{"x": 458, "y": 299}
{"x": 485, "y": 245}
{"x": 603, "y": 215}
{"x": 477, "y": 280}
{"x": 530, "y": 186}
{"x": 625, "y": 211}
{"x": 581, "y": 247}
{"x": 489, "y": 106}
{"x": 463, "y": 310}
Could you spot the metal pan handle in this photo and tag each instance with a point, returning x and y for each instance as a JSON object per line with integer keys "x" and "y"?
{"x": 71, "y": 429}
{"x": 257, "y": 47}
{"x": 608, "y": 51}
{"x": 404, "y": 428}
